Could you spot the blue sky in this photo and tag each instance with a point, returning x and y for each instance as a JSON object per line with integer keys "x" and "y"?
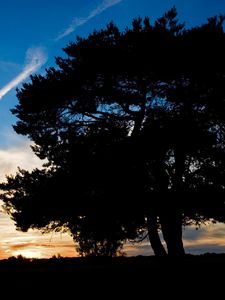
{"x": 35, "y": 24}
{"x": 34, "y": 32}
{"x": 28, "y": 24}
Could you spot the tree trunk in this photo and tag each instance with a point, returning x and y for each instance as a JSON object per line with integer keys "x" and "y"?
{"x": 172, "y": 233}
{"x": 153, "y": 234}
{"x": 171, "y": 217}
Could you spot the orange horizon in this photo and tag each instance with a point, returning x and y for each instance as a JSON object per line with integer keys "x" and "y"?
{"x": 33, "y": 244}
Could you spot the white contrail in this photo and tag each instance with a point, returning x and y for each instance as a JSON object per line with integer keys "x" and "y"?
{"x": 81, "y": 21}
{"x": 35, "y": 58}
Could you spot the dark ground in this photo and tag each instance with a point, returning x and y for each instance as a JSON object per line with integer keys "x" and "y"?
{"x": 121, "y": 277}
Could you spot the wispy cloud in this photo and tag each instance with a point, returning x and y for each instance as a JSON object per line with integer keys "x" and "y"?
{"x": 33, "y": 243}
{"x": 35, "y": 58}
{"x": 18, "y": 155}
{"x": 77, "y": 22}
{"x": 8, "y": 66}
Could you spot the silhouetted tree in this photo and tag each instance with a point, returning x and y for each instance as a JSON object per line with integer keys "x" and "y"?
{"x": 133, "y": 123}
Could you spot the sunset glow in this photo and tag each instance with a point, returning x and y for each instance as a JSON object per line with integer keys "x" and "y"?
{"x": 28, "y": 253}
{"x": 35, "y": 245}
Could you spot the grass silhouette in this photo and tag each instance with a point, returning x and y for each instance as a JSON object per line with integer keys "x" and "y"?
{"x": 106, "y": 278}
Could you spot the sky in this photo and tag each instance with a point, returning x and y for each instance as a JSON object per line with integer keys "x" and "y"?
{"x": 32, "y": 34}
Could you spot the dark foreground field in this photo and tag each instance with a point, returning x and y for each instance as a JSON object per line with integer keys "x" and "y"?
{"x": 122, "y": 277}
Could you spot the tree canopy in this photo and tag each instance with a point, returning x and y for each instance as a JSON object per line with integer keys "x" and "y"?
{"x": 132, "y": 123}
